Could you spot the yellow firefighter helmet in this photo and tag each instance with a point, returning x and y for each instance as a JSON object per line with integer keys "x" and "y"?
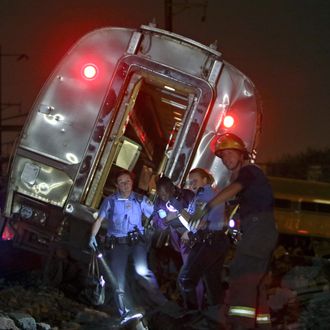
{"x": 229, "y": 141}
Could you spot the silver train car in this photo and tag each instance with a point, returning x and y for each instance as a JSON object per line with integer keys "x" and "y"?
{"x": 144, "y": 99}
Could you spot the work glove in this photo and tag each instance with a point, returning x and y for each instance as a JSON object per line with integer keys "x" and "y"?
{"x": 92, "y": 243}
{"x": 200, "y": 212}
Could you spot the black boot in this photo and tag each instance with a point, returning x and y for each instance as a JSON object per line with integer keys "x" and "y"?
{"x": 120, "y": 302}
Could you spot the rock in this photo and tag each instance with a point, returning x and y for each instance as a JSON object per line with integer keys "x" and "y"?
{"x": 24, "y": 321}
{"x": 43, "y": 326}
{"x": 315, "y": 314}
{"x": 7, "y": 324}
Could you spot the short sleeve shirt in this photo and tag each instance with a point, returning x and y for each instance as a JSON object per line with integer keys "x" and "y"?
{"x": 256, "y": 195}
{"x": 125, "y": 214}
{"x": 216, "y": 217}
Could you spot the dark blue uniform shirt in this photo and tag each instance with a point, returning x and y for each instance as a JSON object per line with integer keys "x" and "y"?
{"x": 256, "y": 196}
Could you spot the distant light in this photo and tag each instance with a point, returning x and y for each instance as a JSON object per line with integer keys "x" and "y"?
{"x": 89, "y": 71}
{"x": 228, "y": 121}
{"x": 178, "y": 118}
{"x": 302, "y": 231}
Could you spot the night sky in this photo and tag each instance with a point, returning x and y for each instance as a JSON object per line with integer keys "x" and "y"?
{"x": 283, "y": 46}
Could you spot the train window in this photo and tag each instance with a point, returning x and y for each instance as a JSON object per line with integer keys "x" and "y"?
{"x": 315, "y": 207}
{"x": 309, "y": 206}
{"x": 282, "y": 203}
{"x": 301, "y": 206}
{"x": 128, "y": 154}
{"x": 324, "y": 208}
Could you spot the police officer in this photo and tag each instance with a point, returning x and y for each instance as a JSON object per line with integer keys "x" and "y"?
{"x": 209, "y": 245}
{"x": 247, "y": 296}
{"x": 125, "y": 239}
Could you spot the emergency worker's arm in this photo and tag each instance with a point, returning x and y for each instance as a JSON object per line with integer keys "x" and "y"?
{"x": 96, "y": 226}
{"x": 105, "y": 206}
{"x": 95, "y": 229}
{"x": 147, "y": 207}
{"x": 224, "y": 195}
{"x": 185, "y": 237}
{"x": 171, "y": 216}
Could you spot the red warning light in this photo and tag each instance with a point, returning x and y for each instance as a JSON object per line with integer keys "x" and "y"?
{"x": 228, "y": 121}
{"x": 89, "y": 71}
{"x": 303, "y": 231}
{"x": 7, "y": 234}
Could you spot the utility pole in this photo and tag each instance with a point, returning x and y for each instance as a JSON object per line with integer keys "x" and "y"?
{"x": 168, "y": 15}
{"x": 170, "y": 5}
{"x": 4, "y": 128}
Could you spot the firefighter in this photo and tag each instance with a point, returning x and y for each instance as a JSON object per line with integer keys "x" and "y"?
{"x": 247, "y": 305}
{"x": 209, "y": 245}
{"x": 125, "y": 240}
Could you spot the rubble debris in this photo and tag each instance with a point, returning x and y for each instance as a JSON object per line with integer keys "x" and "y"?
{"x": 299, "y": 296}
{"x": 32, "y": 306}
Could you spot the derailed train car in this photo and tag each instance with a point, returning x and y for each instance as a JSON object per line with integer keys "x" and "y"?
{"x": 302, "y": 213}
{"x": 144, "y": 99}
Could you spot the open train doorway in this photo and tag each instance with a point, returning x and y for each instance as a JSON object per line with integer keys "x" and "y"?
{"x": 151, "y": 118}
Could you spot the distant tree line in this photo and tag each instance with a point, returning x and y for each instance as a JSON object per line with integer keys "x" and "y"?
{"x": 308, "y": 165}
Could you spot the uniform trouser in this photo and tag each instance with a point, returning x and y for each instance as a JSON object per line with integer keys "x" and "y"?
{"x": 247, "y": 298}
{"x": 118, "y": 258}
{"x": 196, "y": 290}
{"x": 184, "y": 250}
{"x": 205, "y": 261}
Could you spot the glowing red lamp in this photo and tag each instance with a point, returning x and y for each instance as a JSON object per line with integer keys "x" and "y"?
{"x": 228, "y": 121}
{"x": 89, "y": 71}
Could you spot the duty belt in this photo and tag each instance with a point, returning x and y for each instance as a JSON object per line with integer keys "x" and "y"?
{"x": 122, "y": 240}
{"x": 132, "y": 238}
{"x": 206, "y": 236}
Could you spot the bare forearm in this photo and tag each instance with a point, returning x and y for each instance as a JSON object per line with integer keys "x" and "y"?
{"x": 225, "y": 194}
{"x": 96, "y": 226}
